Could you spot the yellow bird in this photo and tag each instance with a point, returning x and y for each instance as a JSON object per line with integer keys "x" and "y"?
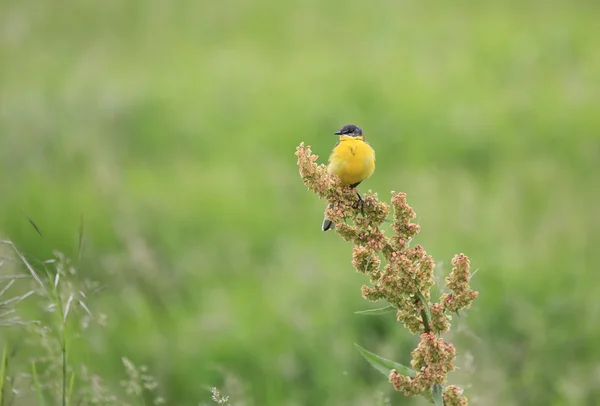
{"x": 352, "y": 160}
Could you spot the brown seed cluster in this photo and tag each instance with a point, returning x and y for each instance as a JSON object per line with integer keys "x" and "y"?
{"x": 453, "y": 396}
{"x": 432, "y": 360}
{"x": 458, "y": 282}
{"x": 406, "y": 278}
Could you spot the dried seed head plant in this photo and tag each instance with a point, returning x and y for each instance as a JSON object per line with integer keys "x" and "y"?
{"x": 405, "y": 281}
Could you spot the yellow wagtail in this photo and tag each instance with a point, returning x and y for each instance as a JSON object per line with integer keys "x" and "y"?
{"x": 352, "y": 160}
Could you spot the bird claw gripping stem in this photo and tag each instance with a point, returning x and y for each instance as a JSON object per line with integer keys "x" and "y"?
{"x": 359, "y": 203}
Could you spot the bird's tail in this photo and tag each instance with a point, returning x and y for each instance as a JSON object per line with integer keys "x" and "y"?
{"x": 327, "y": 224}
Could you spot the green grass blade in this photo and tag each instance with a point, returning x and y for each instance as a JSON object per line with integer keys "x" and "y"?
{"x": 37, "y": 229}
{"x": 377, "y": 312}
{"x": 436, "y": 394}
{"x": 80, "y": 240}
{"x": 71, "y": 386}
{"x": 2, "y": 373}
{"x": 38, "y": 387}
{"x": 384, "y": 365}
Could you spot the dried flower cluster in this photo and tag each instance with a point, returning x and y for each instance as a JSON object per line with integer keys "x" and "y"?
{"x": 406, "y": 278}
{"x": 458, "y": 281}
{"x": 432, "y": 359}
{"x": 453, "y": 396}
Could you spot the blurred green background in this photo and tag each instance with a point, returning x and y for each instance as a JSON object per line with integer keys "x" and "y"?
{"x": 171, "y": 127}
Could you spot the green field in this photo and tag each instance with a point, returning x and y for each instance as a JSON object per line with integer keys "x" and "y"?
{"x": 168, "y": 129}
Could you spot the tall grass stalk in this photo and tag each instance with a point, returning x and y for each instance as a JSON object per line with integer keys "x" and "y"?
{"x": 3, "y": 365}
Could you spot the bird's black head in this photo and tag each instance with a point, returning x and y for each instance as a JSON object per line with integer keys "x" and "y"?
{"x": 350, "y": 130}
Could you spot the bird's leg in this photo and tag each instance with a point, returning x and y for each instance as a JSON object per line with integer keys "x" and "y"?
{"x": 360, "y": 203}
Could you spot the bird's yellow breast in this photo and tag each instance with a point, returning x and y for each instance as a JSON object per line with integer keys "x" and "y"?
{"x": 352, "y": 160}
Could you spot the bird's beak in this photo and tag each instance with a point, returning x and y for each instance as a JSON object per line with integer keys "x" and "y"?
{"x": 337, "y": 133}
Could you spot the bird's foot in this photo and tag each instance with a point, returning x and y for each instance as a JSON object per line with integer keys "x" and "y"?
{"x": 360, "y": 203}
